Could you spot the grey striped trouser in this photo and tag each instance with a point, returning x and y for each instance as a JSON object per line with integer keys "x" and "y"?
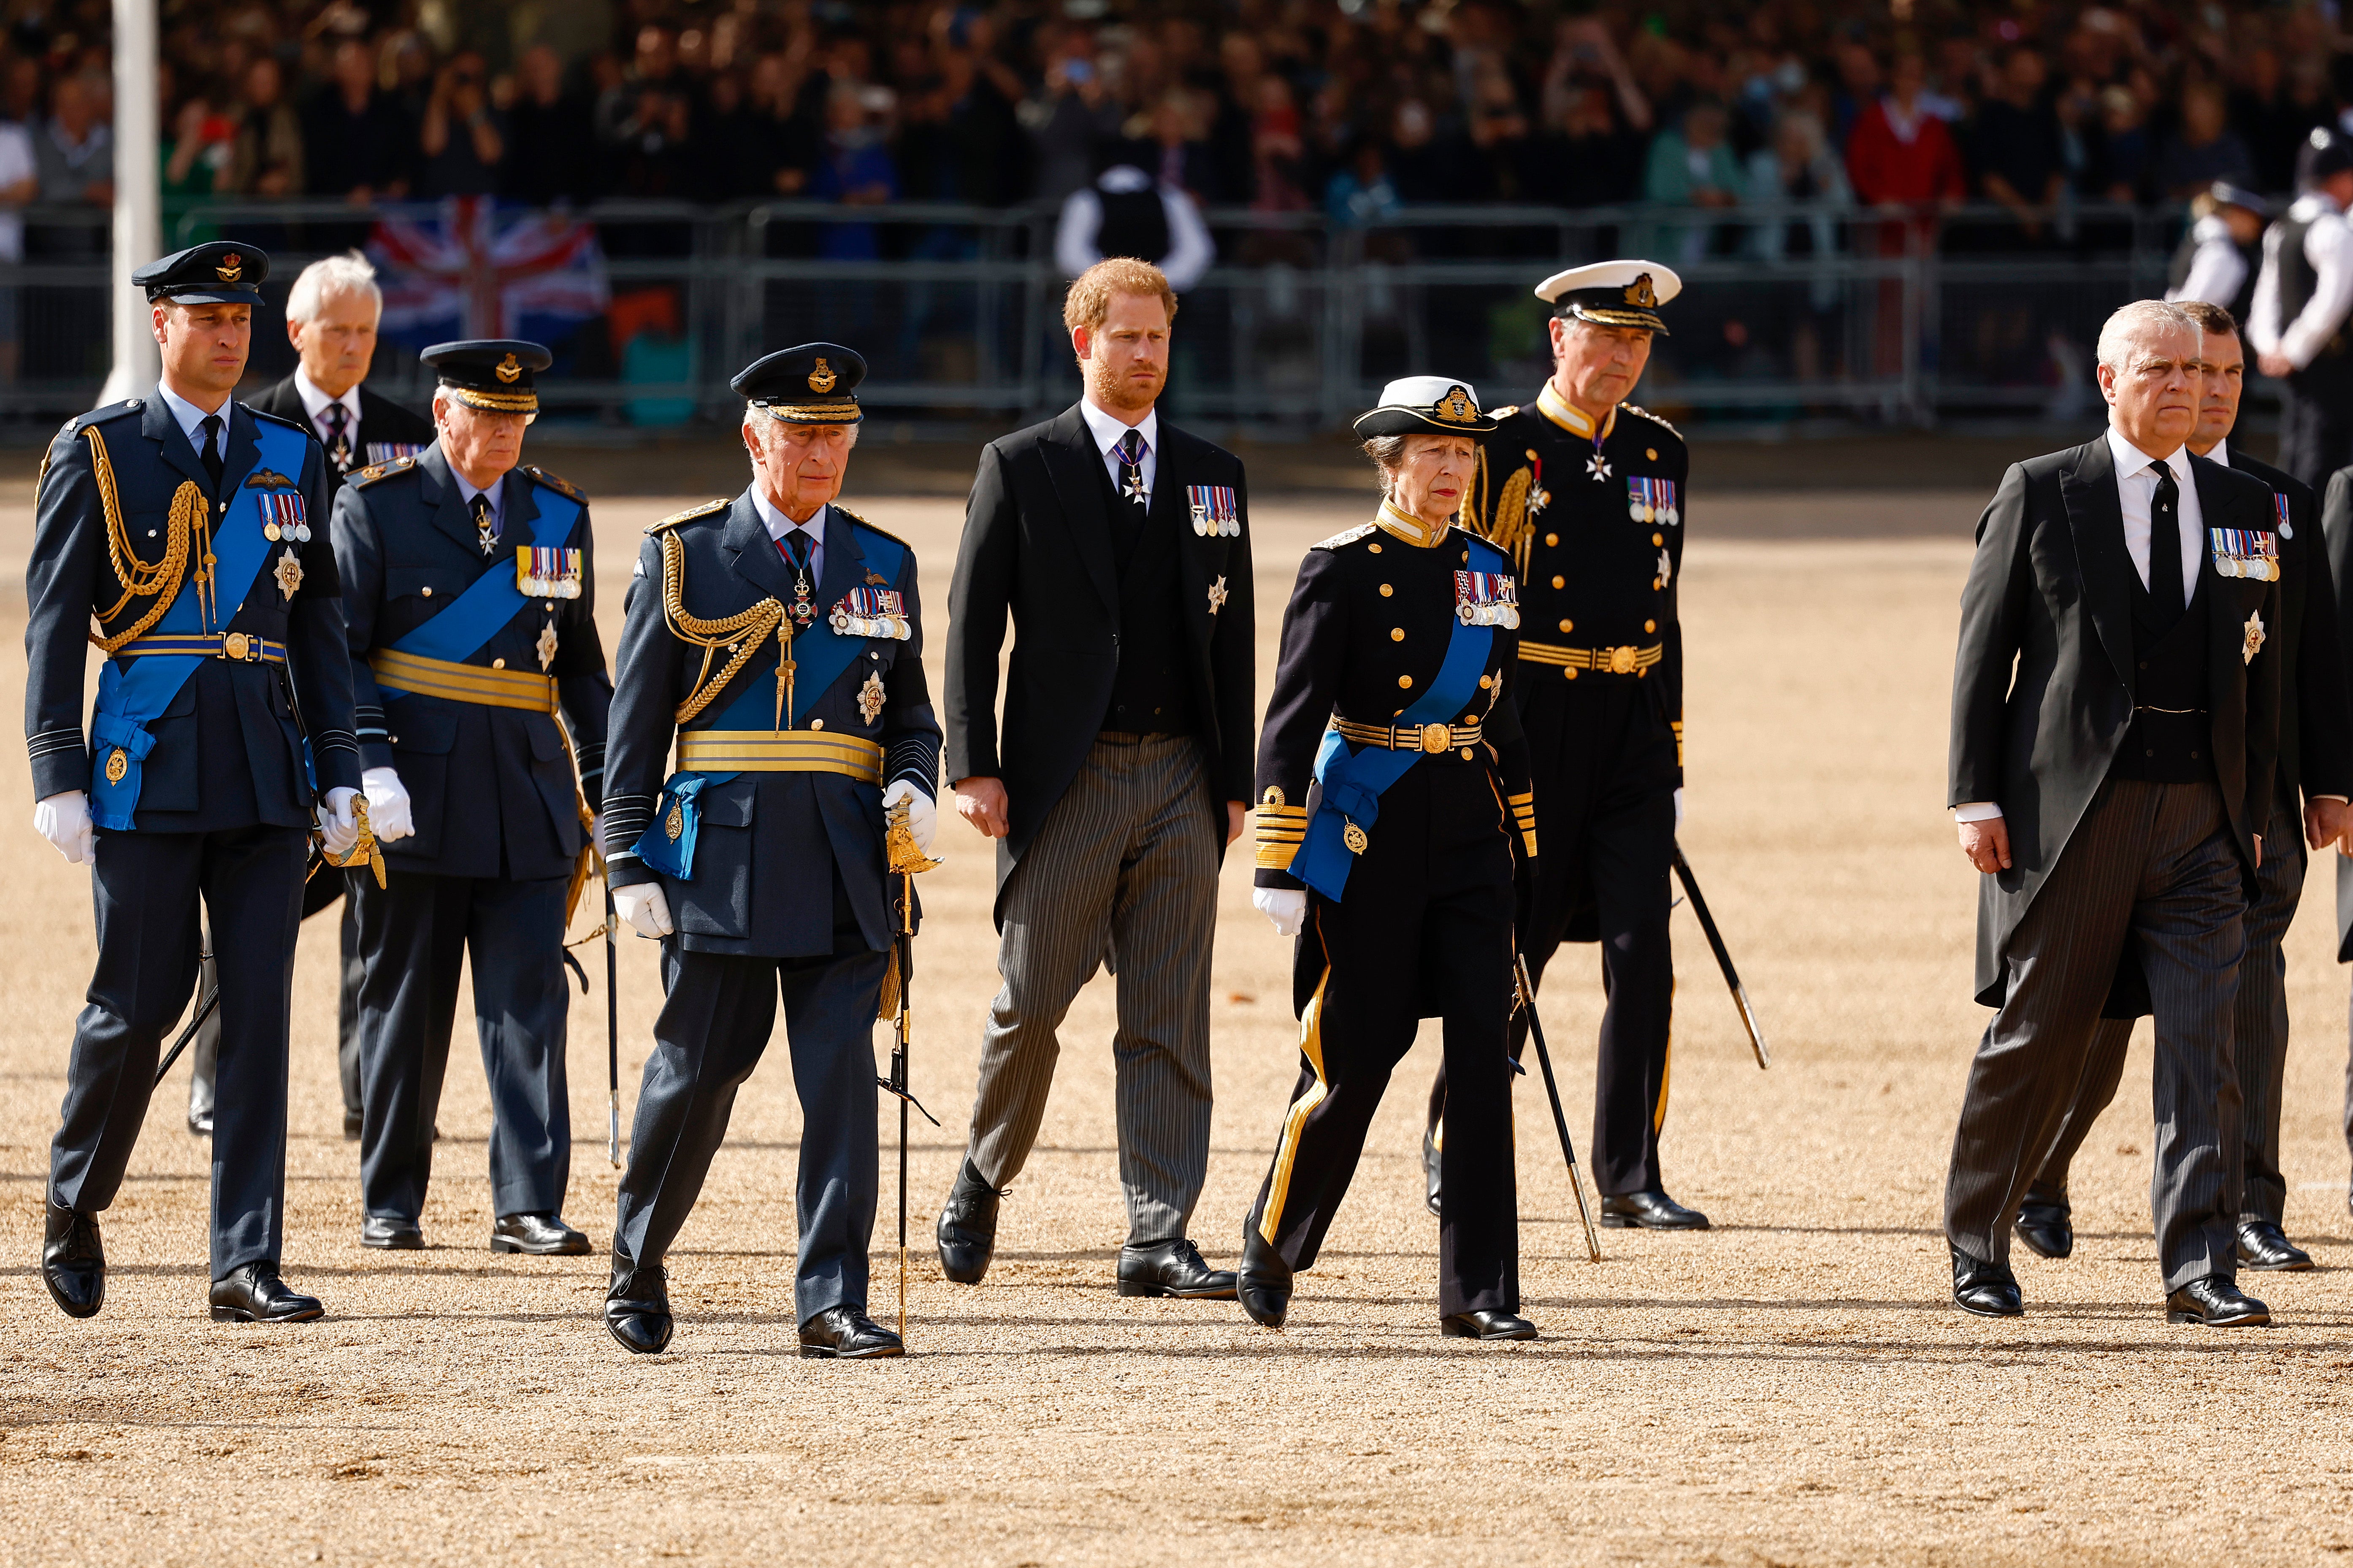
{"x": 1124, "y": 871}
{"x": 2150, "y": 870}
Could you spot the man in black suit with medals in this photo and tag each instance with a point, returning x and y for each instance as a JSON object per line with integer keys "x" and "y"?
{"x": 331, "y": 317}
{"x": 2115, "y": 725}
{"x": 777, "y": 640}
{"x": 469, "y": 586}
{"x": 191, "y": 531}
{"x": 1119, "y": 545}
{"x": 2316, "y": 778}
{"x": 1585, "y": 492}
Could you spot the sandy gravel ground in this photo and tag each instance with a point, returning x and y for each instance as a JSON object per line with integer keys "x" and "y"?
{"x": 1790, "y": 1387}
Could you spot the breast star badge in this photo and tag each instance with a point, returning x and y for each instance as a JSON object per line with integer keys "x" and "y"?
{"x": 289, "y": 572}
{"x": 870, "y": 696}
{"x": 1217, "y": 595}
{"x": 2254, "y": 639}
{"x": 1666, "y": 569}
{"x": 547, "y": 645}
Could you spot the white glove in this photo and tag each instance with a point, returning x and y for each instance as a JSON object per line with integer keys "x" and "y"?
{"x": 339, "y": 825}
{"x": 642, "y": 905}
{"x": 1286, "y": 907}
{"x": 64, "y": 821}
{"x": 922, "y": 814}
{"x": 1679, "y": 807}
{"x": 388, "y": 808}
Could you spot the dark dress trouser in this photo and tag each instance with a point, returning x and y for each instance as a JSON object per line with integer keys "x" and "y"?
{"x": 2259, "y": 1042}
{"x": 147, "y": 887}
{"x": 324, "y": 887}
{"x": 718, "y": 1013}
{"x": 2316, "y": 425}
{"x": 418, "y": 929}
{"x": 2152, "y": 867}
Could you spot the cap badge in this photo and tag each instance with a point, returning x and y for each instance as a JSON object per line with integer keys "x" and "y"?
{"x": 822, "y": 378}
{"x": 1641, "y": 294}
{"x": 1455, "y": 408}
{"x": 230, "y": 268}
{"x": 509, "y": 370}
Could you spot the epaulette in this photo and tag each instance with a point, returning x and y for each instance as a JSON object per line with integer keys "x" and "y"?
{"x": 869, "y": 527}
{"x": 1348, "y": 536}
{"x": 81, "y": 422}
{"x": 1653, "y": 418}
{"x": 688, "y": 515}
{"x": 375, "y": 472}
{"x": 555, "y": 483}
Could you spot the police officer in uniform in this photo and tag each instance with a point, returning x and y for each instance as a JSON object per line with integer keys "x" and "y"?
{"x": 778, "y": 640}
{"x": 2221, "y": 254}
{"x": 1392, "y": 785}
{"x": 190, "y": 529}
{"x": 2296, "y": 324}
{"x": 469, "y": 585}
{"x": 1585, "y": 493}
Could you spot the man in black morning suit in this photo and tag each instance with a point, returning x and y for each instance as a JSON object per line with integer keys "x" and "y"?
{"x": 331, "y": 318}
{"x": 204, "y": 773}
{"x": 470, "y": 586}
{"x": 759, "y": 865}
{"x": 2316, "y": 776}
{"x": 1119, "y": 547}
{"x": 2116, "y": 719}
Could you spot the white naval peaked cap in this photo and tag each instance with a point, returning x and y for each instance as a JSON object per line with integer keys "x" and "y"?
{"x": 1412, "y": 403}
{"x": 1613, "y": 293}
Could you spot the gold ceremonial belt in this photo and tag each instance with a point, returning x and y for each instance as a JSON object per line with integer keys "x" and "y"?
{"x": 779, "y": 751}
{"x": 1624, "y": 660}
{"x": 463, "y": 682}
{"x": 1431, "y": 738}
{"x": 239, "y": 646}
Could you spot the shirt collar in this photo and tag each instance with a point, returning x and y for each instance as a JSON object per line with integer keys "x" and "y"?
{"x": 467, "y": 493}
{"x": 315, "y": 399}
{"x": 1568, "y": 416}
{"x": 2222, "y": 452}
{"x": 773, "y": 517}
{"x": 2131, "y": 459}
{"x": 188, "y": 415}
{"x": 1107, "y": 430}
{"x": 1408, "y": 527}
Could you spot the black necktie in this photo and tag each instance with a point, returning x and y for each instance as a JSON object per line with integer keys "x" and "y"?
{"x": 214, "y": 459}
{"x": 486, "y": 527}
{"x": 1131, "y": 469}
{"x": 2164, "y": 548}
{"x": 339, "y": 441}
{"x": 797, "y": 547}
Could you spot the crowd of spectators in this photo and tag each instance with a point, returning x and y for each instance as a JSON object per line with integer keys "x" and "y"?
{"x": 1352, "y": 107}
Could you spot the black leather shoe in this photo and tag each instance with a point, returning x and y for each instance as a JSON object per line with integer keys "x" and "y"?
{"x": 2263, "y": 1245}
{"x": 389, "y": 1233}
{"x": 2047, "y": 1229}
{"x": 1987, "y": 1289}
{"x": 637, "y": 1307}
{"x": 1652, "y": 1210}
{"x": 73, "y": 1262}
{"x": 350, "y": 1126}
{"x": 1172, "y": 1268}
{"x": 1263, "y": 1282}
{"x": 847, "y": 1333}
{"x": 2217, "y": 1303}
{"x": 1430, "y": 1169}
{"x": 254, "y": 1294}
{"x": 1487, "y": 1323}
{"x": 540, "y": 1235}
{"x": 967, "y": 1227}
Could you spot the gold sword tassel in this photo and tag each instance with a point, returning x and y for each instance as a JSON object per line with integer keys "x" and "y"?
{"x": 784, "y": 674}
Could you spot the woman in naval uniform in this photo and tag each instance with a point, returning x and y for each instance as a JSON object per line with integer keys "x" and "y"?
{"x": 1392, "y": 785}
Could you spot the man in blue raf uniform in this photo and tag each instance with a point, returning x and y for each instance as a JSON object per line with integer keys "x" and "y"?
{"x": 469, "y": 586}
{"x": 1585, "y": 492}
{"x": 1390, "y": 752}
{"x": 184, "y": 534}
{"x": 779, "y": 640}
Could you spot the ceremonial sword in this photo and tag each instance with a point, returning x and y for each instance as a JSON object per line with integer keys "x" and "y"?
{"x": 1552, "y": 1092}
{"x": 905, "y": 859}
{"x": 612, "y": 1033}
{"x": 1723, "y": 960}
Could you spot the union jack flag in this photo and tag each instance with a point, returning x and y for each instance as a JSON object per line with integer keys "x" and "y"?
{"x": 475, "y": 270}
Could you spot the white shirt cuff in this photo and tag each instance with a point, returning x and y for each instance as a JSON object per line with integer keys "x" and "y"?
{"x": 1976, "y": 811}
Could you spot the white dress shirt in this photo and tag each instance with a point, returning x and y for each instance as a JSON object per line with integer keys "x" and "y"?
{"x": 315, "y": 403}
{"x": 1109, "y": 432}
{"x": 2216, "y": 269}
{"x": 2137, "y": 494}
{"x": 191, "y": 419}
{"x": 497, "y": 492}
{"x": 773, "y": 519}
{"x": 2328, "y": 246}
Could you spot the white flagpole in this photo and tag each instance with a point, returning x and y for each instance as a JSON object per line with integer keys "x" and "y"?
{"x": 138, "y": 197}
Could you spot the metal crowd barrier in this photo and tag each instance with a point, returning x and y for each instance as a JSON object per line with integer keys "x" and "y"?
{"x": 1791, "y": 312}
